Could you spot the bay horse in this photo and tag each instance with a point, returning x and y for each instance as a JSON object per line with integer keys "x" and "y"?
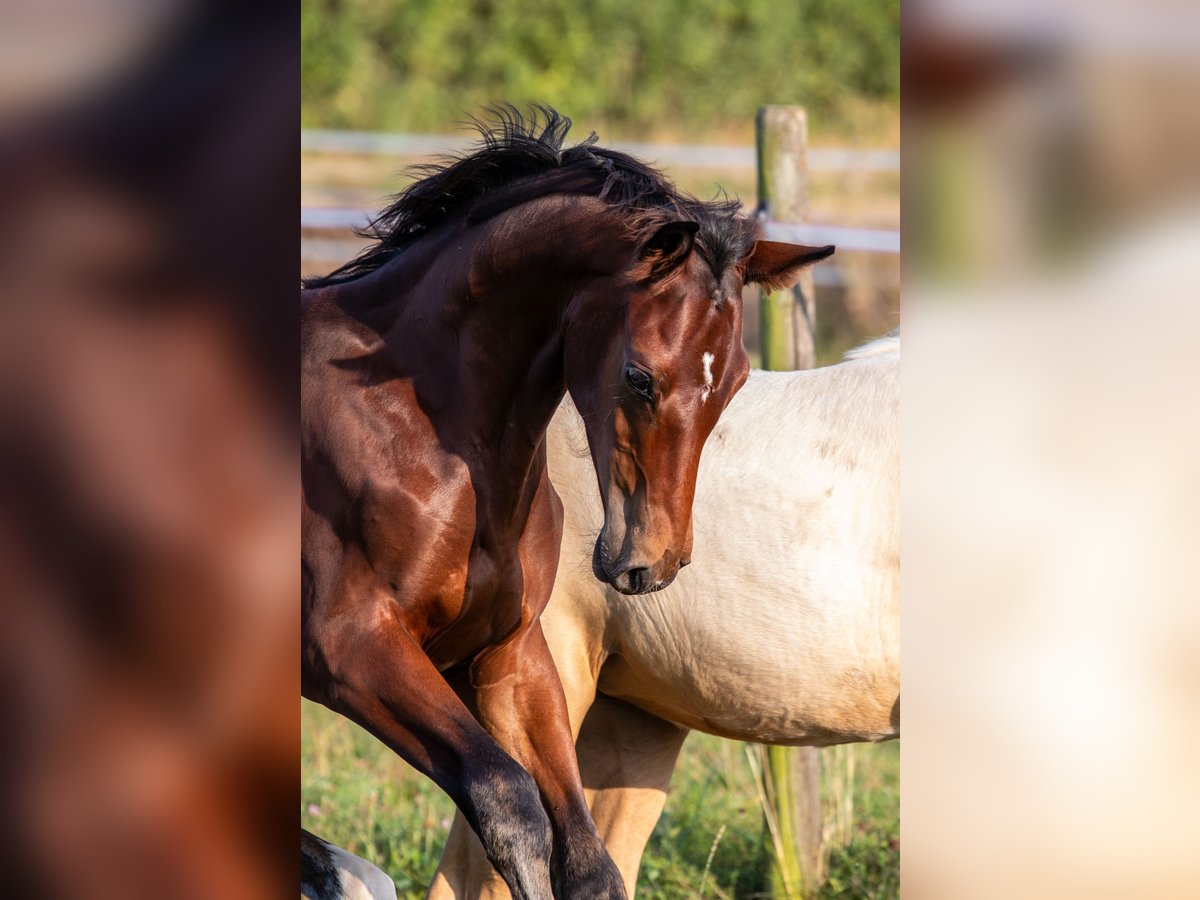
{"x": 431, "y": 365}
{"x": 786, "y": 630}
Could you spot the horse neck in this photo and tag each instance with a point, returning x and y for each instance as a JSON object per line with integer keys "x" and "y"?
{"x": 493, "y": 328}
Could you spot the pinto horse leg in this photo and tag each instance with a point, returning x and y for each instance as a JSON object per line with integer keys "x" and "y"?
{"x": 396, "y": 693}
{"x": 521, "y": 703}
{"x": 626, "y": 757}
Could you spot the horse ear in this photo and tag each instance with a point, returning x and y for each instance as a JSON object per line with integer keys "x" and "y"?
{"x": 667, "y": 248}
{"x": 775, "y": 265}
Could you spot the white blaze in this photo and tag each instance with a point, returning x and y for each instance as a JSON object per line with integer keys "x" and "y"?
{"x": 707, "y": 359}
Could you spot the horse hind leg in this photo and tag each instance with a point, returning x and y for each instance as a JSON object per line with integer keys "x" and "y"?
{"x": 388, "y": 686}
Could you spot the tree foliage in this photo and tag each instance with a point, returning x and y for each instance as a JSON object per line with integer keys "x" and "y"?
{"x": 634, "y": 66}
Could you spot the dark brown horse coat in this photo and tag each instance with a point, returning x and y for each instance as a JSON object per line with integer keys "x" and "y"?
{"x": 431, "y": 366}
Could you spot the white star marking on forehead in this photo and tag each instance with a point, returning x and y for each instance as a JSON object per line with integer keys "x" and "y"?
{"x": 707, "y": 359}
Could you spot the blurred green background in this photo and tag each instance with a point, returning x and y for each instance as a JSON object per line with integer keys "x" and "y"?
{"x": 661, "y": 70}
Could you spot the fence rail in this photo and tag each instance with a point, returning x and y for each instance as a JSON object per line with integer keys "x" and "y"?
{"x": 828, "y": 159}
{"x": 867, "y": 240}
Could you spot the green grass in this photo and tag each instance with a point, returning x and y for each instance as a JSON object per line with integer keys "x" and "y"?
{"x": 358, "y": 794}
{"x": 869, "y": 865}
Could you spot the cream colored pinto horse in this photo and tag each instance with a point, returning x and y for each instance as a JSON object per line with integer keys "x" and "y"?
{"x": 786, "y": 628}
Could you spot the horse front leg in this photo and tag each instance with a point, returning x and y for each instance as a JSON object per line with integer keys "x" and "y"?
{"x": 626, "y": 758}
{"x": 464, "y": 873}
{"x": 521, "y": 703}
{"x": 380, "y": 678}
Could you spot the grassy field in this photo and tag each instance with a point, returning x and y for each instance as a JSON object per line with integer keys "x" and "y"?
{"x": 709, "y": 842}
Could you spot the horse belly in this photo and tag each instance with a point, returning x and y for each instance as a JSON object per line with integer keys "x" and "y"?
{"x": 784, "y": 673}
{"x": 838, "y": 706}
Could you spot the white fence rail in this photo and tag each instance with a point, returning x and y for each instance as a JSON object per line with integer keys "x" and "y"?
{"x": 829, "y": 159}
{"x": 866, "y": 240}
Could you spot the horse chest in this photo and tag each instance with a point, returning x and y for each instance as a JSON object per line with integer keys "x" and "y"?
{"x": 454, "y": 561}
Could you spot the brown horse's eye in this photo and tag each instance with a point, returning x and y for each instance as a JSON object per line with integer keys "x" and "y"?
{"x": 640, "y": 381}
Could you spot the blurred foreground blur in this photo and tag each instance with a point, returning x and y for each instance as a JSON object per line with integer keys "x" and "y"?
{"x": 148, "y": 516}
{"x": 1051, "y": 499}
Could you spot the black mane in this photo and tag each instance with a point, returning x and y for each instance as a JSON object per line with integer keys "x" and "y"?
{"x": 520, "y": 158}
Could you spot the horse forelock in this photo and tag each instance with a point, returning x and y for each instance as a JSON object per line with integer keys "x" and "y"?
{"x": 520, "y": 157}
{"x": 724, "y": 239}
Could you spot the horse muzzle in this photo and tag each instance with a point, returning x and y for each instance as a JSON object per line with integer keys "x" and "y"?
{"x": 631, "y": 578}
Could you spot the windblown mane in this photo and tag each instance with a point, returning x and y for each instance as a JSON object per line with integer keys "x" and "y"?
{"x": 520, "y": 158}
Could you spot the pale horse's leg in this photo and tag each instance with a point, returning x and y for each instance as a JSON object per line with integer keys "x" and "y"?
{"x": 626, "y": 757}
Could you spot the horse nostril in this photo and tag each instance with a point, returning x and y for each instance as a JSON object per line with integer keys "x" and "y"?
{"x": 684, "y": 563}
{"x": 637, "y": 579}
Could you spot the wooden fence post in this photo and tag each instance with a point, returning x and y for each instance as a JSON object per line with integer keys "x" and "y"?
{"x": 788, "y": 317}
{"x": 788, "y": 322}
